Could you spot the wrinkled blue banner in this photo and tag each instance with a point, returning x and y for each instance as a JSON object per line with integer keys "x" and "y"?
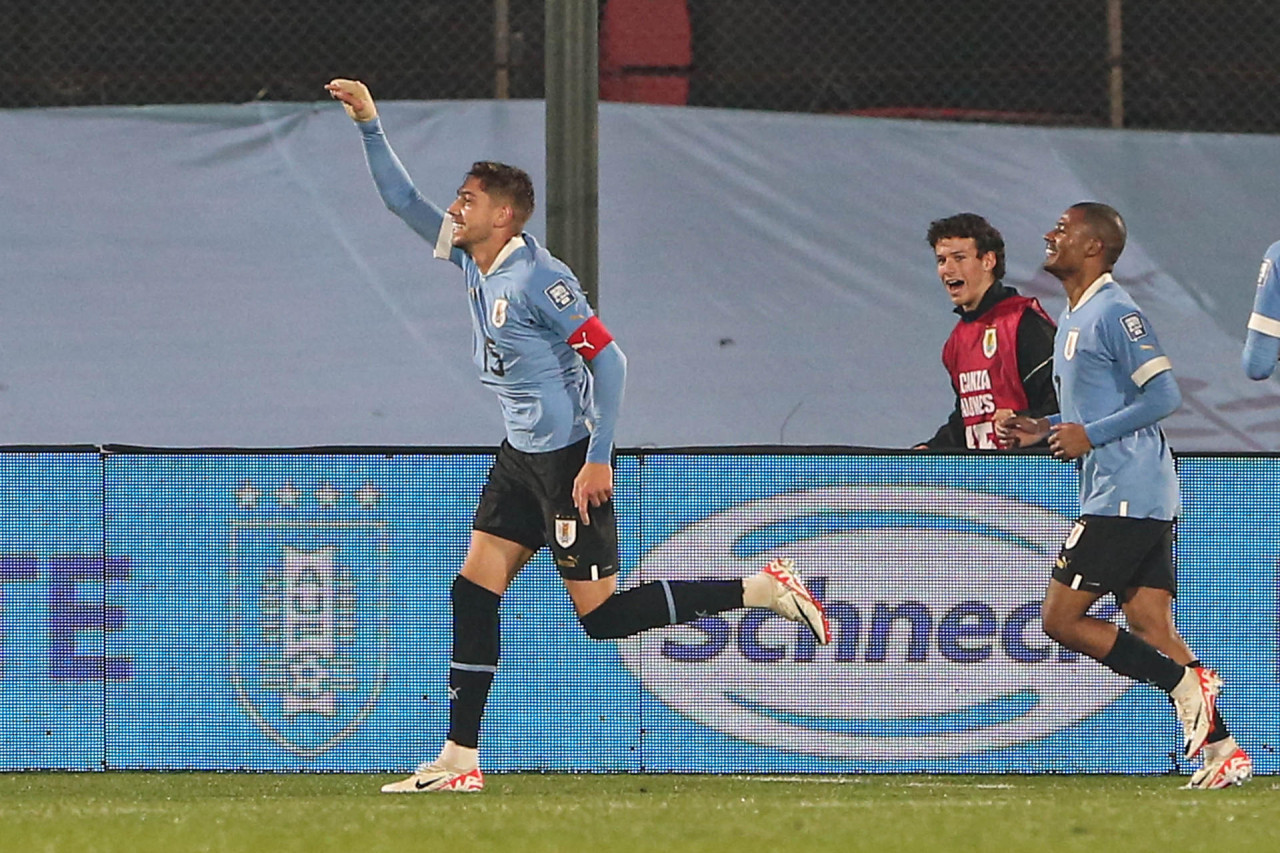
{"x": 289, "y": 611}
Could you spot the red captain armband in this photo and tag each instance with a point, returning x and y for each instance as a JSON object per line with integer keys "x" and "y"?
{"x": 590, "y": 338}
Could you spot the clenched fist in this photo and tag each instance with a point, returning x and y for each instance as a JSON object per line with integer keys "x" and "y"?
{"x": 355, "y": 98}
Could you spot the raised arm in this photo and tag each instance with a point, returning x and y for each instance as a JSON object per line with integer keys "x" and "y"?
{"x": 389, "y": 175}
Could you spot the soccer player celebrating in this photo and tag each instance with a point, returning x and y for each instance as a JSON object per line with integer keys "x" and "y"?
{"x": 1262, "y": 346}
{"x": 552, "y": 480}
{"x": 1115, "y": 384}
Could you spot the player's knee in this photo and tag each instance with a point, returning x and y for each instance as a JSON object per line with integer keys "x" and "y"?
{"x": 602, "y": 623}
{"x": 1141, "y": 630}
{"x": 1161, "y": 636}
{"x": 1058, "y": 628}
{"x": 1151, "y": 626}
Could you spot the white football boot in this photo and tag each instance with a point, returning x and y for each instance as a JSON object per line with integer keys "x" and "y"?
{"x": 455, "y": 770}
{"x": 1194, "y": 699}
{"x": 778, "y": 587}
{"x": 433, "y": 777}
{"x": 1225, "y": 764}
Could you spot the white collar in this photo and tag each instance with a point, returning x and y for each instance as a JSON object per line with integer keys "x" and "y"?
{"x": 1092, "y": 289}
{"x": 515, "y": 243}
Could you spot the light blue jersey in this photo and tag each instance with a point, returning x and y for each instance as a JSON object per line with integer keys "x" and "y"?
{"x": 1105, "y": 353}
{"x": 1262, "y": 345}
{"x": 523, "y": 313}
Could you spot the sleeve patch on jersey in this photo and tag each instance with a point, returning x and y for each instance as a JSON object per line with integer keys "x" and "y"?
{"x": 560, "y": 295}
{"x": 1262, "y": 273}
{"x": 590, "y": 338}
{"x": 1133, "y": 326}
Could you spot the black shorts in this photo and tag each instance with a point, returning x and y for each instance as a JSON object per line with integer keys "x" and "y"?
{"x": 528, "y": 499}
{"x": 1107, "y": 553}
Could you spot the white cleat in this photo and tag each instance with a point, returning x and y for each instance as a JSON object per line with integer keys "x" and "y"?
{"x": 1225, "y": 764}
{"x": 1194, "y": 699}
{"x": 436, "y": 777}
{"x": 778, "y": 587}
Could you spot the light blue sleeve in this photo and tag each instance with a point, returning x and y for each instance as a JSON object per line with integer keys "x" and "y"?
{"x": 1130, "y": 340}
{"x": 560, "y": 303}
{"x": 398, "y": 192}
{"x": 1260, "y": 355}
{"x": 609, "y": 372}
{"x": 1159, "y": 398}
{"x": 1262, "y": 343}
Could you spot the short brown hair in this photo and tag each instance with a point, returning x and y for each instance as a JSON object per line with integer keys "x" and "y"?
{"x": 509, "y": 182}
{"x": 984, "y": 235}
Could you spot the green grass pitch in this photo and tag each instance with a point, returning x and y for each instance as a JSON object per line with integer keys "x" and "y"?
{"x": 87, "y": 812}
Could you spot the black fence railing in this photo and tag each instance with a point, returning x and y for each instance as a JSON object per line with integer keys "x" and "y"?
{"x": 1172, "y": 64}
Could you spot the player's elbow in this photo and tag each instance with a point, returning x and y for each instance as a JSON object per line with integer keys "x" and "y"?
{"x": 1257, "y": 372}
{"x": 611, "y": 360}
{"x": 397, "y": 203}
{"x": 1259, "y": 356}
{"x": 614, "y": 352}
{"x": 399, "y": 199}
{"x": 1257, "y": 368}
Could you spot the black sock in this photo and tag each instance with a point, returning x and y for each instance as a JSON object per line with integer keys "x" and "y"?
{"x": 1219, "y": 732}
{"x": 475, "y": 658}
{"x": 659, "y": 603}
{"x": 1136, "y": 659}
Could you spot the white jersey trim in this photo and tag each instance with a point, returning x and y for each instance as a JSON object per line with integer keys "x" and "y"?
{"x": 1089, "y": 291}
{"x": 1155, "y": 366}
{"x": 444, "y": 245}
{"x": 444, "y": 240}
{"x": 516, "y": 242}
{"x": 1263, "y": 323}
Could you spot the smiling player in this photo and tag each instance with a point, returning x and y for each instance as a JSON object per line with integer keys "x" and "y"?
{"x": 552, "y": 481}
{"x": 1116, "y": 384}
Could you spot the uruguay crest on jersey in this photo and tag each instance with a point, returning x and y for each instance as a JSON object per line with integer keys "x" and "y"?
{"x": 1069, "y": 347}
{"x": 989, "y": 341}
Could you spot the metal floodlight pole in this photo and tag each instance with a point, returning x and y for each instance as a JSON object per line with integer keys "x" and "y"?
{"x": 1115, "y": 61}
{"x": 572, "y": 91}
{"x": 501, "y": 49}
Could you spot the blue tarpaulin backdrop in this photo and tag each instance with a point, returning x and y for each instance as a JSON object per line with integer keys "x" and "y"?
{"x": 226, "y": 275}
